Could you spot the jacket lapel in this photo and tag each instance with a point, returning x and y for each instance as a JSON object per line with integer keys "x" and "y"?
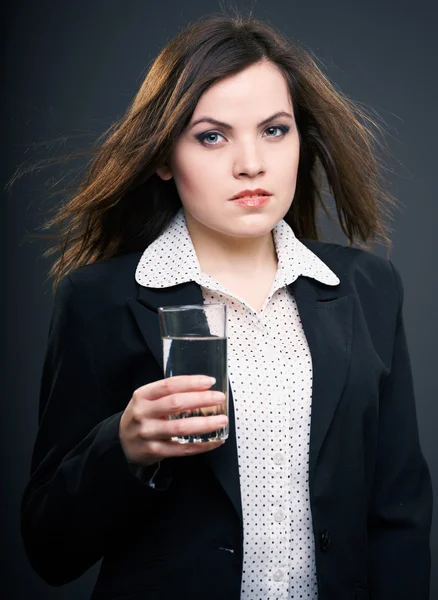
{"x": 223, "y": 461}
{"x": 145, "y": 310}
{"x": 327, "y": 317}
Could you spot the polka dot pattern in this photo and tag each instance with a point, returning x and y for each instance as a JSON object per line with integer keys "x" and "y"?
{"x": 270, "y": 373}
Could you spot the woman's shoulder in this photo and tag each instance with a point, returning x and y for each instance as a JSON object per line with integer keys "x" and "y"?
{"x": 359, "y": 270}
{"x": 101, "y": 283}
{"x": 349, "y": 259}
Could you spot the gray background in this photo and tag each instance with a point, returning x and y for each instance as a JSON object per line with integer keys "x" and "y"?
{"x": 72, "y": 67}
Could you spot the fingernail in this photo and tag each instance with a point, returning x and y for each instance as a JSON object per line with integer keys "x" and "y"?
{"x": 207, "y": 380}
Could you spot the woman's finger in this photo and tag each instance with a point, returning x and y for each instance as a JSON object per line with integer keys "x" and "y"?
{"x": 173, "y": 385}
{"x": 164, "y": 429}
{"x": 169, "y": 449}
{"x": 183, "y": 402}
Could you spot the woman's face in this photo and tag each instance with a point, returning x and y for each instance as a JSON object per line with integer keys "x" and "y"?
{"x": 212, "y": 162}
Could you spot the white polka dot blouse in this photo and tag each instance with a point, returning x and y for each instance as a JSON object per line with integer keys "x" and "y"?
{"x": 270, "y": 374}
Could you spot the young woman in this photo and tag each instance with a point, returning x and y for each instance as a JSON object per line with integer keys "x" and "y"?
{"x": 208, "y": 191}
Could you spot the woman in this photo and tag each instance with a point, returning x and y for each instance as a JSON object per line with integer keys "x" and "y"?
{"x": 207, "y": 190}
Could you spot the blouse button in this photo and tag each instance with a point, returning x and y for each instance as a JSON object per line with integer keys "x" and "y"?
{"x": 278, "y": 458}
{"x": 278, "y": 575}
{"x": 279, "y": 516}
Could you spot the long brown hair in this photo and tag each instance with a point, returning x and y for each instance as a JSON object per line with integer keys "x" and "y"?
{"x": 121, "y": 205}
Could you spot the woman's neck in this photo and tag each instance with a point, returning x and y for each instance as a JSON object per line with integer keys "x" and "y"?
{"x": 220, "y": 254}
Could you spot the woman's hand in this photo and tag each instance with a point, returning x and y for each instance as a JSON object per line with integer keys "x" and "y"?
{"x": 145, "y": 429}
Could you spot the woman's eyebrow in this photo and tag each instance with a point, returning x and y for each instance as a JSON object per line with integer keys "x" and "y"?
{"x": 282, "y": 113}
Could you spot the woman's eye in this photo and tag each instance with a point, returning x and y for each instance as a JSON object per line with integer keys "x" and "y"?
{"x": 282, "y": 128}
{"x": 206, "y": 138}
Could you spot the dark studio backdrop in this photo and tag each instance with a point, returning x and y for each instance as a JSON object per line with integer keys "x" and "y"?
{"x": 71, "y": 69}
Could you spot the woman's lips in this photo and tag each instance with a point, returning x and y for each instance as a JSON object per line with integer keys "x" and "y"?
{"x": 252, "y": 201}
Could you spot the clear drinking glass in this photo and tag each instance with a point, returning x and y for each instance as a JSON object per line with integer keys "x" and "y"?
{"x": 195, "y": 343}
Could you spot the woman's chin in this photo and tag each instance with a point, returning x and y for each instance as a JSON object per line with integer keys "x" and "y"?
{"x": 254, "y": 225}
{"x": 251, "y": 225}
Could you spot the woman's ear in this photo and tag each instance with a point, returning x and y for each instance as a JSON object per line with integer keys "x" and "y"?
{"x": 164, "y": 172}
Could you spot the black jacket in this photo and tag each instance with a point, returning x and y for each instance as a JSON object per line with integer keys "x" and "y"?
{"x": 370, "y": 489}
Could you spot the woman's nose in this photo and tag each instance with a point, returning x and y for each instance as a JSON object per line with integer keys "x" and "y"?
{"x": 248, "y": 161}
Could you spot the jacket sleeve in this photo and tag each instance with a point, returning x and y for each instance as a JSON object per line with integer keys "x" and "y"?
{"x": 82, "y": 492}
{"x": 401, "y": 504}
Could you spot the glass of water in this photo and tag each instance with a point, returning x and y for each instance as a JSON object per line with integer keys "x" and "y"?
{"x": 195, "y": 343}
